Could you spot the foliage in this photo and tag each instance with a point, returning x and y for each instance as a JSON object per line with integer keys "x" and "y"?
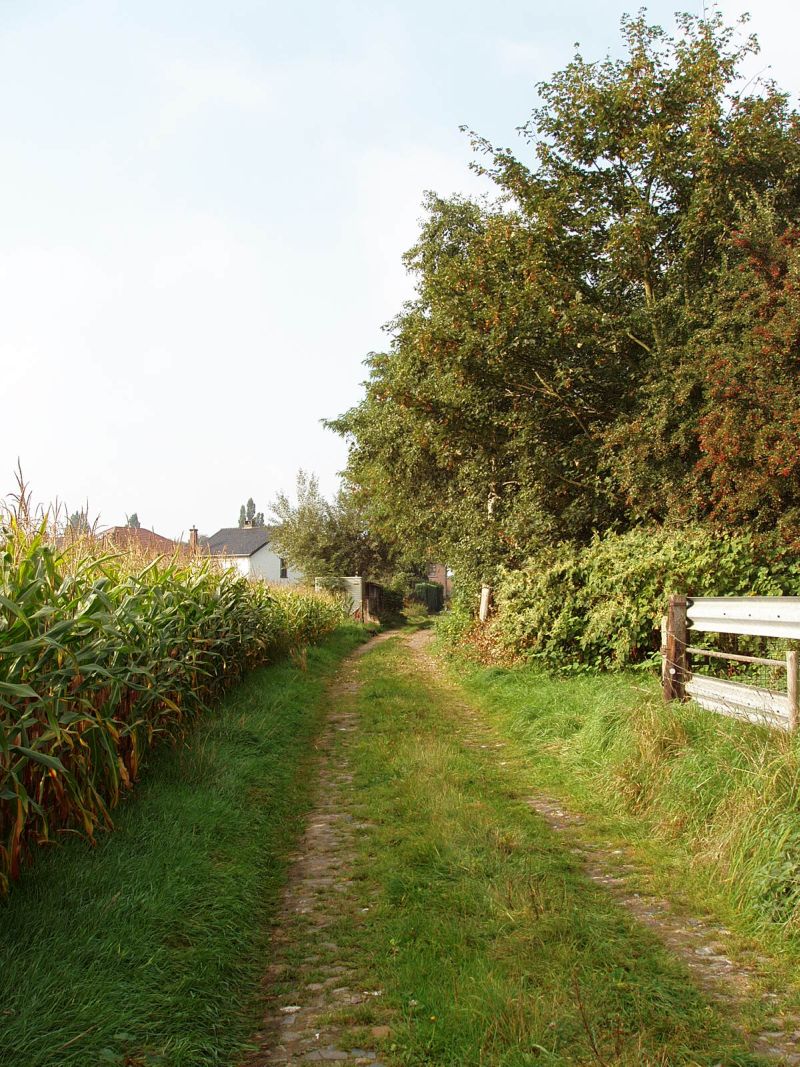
{"x": 176, "y": 908}
{"x": 549, "y": 379}
{"x": 750, "y": 425}
{"x": 248, "y": 516}
{"x": 431, "y": 594}
{"x": 133, "y": 521}
{"x": 334, "y": 538}
{"x": 100, "y": 657}
{"x": 601, "y": 604}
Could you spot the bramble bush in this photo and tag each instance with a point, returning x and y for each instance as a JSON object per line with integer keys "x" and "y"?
{"x": 601, "y": 605}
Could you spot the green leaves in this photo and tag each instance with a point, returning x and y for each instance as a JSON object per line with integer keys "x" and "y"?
{"x": 98, "y": 658}
{"x": 549, "y": 380}
{"x": 331, "y": 538}
{"x": 600, "y": 605}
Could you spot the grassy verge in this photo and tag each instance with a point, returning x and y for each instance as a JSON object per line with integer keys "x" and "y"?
{"x": 148, "y": 950}
{"x": 713, "y": 804}
{"x": 488, "y": 943}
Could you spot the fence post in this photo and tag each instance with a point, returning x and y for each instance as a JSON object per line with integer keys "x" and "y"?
{"x": 792, "y": 688}
{"x": 486, "y": 594}
{"x": 675, "y": 660}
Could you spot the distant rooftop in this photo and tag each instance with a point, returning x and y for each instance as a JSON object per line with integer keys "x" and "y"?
{"x": 136, "y": 537}
{"x": 239, "y": 541}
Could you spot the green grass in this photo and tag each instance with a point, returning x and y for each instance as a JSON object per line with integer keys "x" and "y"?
{"x": 489, "y": 943}
{"x": 714, "y": 804}
{"x": 149, "y": 949}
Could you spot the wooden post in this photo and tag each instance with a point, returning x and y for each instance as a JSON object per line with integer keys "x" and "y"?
{"x": 486, "y": 593}
{"x": 792, "y": 688}
{"x": 675, "y": 659}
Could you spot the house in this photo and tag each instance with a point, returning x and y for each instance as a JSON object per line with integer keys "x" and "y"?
{"x": 248, "y": 549}
{"x": 438, "y": 572}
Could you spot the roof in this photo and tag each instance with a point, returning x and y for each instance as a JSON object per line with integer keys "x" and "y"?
{"x": 136, "y": 537}
{"x": 239, "y": 541}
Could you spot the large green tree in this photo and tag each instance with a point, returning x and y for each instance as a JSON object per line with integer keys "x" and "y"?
{"x": 477, "y": 431}
{"x": 544, "y": 382}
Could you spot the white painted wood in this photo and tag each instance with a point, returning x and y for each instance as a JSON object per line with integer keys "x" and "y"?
{"x": 761, "y": 616}
{"x": 486, "y": 593}
{"x": 741, "y": 701}
{"x": 352, "y": 589}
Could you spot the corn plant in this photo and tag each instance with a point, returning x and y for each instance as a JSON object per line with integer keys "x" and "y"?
{"x": 100, "y": 656}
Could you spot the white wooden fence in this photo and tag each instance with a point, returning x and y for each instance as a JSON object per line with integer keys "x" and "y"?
{"x": 768, "y": 616}
{"x": 350, "y": 588}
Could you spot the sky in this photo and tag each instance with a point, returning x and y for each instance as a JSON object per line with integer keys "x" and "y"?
{"x": 204, "y": 209}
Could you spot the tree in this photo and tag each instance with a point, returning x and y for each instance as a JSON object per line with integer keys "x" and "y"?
{"x": 749, "y": 431}
{"x": 475, "y": 437}
{"x": 133, "y": 521}
{"x": 78, "y": 523}
{"x": 325, "y": 538}
{"x": 248, "y": 516}
{"x": 544, "y": 383}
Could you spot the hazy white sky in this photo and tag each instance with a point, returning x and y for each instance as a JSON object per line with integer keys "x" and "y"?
{"x": 204, "y": 208}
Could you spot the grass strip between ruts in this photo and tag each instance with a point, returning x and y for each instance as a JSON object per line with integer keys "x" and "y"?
{"x": 148, "y": 950}
{"x": 489, "y": 944}
{"x": 711, "y": 805}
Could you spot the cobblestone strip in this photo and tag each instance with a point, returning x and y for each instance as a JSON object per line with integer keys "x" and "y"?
{"x": 308, "y": 981}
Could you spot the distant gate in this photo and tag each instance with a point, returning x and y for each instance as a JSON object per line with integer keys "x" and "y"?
{"x": 766, "y": 616}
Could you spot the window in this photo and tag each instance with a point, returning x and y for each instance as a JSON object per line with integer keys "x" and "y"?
{"x": 284, "y": 569}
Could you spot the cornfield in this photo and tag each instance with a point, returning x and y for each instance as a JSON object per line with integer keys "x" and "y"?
{"x": 100, "y": 656}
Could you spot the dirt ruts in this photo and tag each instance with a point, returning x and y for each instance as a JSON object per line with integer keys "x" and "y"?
{"x": 309, "y": 981}
{"x": 699, "y": 942}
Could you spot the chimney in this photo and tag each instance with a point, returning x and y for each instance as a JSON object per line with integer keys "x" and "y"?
{"x": 248, "y": 526}
{"x": 193, "y": 540}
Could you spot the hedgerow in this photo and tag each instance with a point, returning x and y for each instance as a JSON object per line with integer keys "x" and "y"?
{"x": 601, "y": 605}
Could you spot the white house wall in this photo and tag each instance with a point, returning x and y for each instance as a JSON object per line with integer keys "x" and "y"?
{"x": 266, "y": 564}
{"x": 234, "y": 563}
{"x": 263, "y": 564}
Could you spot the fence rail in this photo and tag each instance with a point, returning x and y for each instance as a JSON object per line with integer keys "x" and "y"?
{"x": 759, "y": 616}
{"x": 754, "y": 616}
{"x": 740, "y": 701}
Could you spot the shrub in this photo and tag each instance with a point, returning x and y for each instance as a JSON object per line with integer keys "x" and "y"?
{"x": 431, "y": 594}
{"x": 601, "y": 605}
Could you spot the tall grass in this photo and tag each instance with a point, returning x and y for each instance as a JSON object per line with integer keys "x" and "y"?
{"x": 489, "y": 944}
{"x": 725, "y": 793}
{"x": 102, "y": 655}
